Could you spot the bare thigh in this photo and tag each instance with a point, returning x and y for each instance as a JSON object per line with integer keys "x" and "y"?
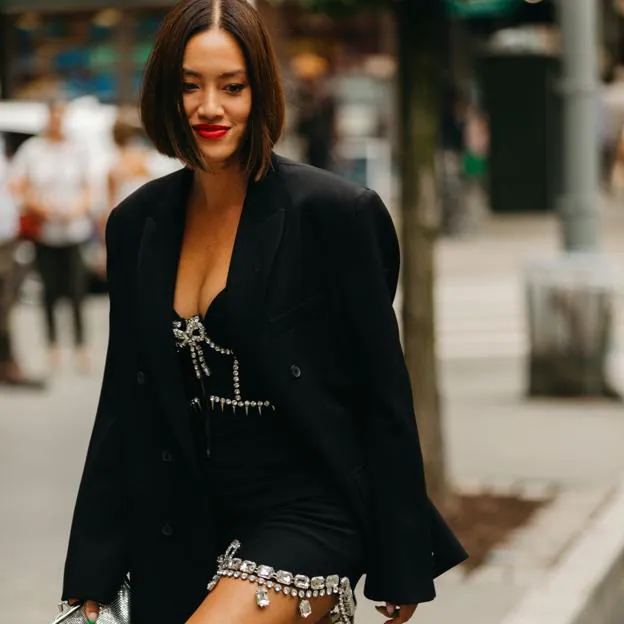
{"x": 233, "y": 601}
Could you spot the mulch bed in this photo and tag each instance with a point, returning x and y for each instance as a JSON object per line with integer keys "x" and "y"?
{"x": 483, "y": 521}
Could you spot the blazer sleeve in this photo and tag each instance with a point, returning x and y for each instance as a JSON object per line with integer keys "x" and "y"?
{"x": 96, "y": 559}
{"x": 400, "y": 567}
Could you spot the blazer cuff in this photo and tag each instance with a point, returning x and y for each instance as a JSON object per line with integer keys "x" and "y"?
{"x": 94, "y": 573}
{"x": 398, "y": 587}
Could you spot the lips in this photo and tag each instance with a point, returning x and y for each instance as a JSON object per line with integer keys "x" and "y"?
{"x": 211, "y": 131}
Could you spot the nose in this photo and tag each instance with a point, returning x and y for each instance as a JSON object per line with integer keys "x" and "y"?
{"x": 211, "y": 106}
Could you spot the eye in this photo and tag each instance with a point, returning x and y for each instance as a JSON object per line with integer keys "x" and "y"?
{"x": 189, "y": 86}
{"x": 235, "y": 88}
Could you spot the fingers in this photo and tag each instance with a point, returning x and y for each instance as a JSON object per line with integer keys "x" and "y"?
{"x": 398, "y": 614}
{"x": 91, "y": 610}
{"x": 405, "y": 614}
{"x": 387, "y": 610}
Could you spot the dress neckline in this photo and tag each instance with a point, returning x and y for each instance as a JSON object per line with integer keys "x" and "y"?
{"x": 206, "y": 313}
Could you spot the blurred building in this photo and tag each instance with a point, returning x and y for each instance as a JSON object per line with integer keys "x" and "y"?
{"x": 76, "y": 47}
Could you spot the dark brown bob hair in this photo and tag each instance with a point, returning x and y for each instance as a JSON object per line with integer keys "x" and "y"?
{"x": 162, "y": 109}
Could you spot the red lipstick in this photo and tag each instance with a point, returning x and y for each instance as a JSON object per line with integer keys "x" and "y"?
{"x": 212, "y": 132}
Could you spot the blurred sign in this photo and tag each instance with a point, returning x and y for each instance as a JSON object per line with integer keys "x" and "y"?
{"x": 481, "y": 8}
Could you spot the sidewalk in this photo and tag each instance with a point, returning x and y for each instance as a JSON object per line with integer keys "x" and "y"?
{"x": 482, "y": 343}
{"x": 494, "y": 436}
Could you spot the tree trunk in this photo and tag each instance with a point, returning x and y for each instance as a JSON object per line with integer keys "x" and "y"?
{"x": 419, "y": 39}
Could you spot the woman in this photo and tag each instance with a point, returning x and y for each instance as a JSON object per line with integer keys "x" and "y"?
{"x": 255, "y": 404}
{"x": 129, "y": 170}
{"x": 11, "y": 274}
{"x": 50, "y": 178}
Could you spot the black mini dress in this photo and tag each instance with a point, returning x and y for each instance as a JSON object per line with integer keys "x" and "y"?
{"x": 280, "y": 522}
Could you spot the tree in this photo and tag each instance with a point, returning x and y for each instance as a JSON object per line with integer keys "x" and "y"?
{"x": 418, "y": 27}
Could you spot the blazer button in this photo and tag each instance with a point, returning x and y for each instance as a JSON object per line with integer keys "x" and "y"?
{"x": 166, "y": 530}
{"x": 140, "y": 378}
{"x": 295, "y": 371}
{"x": 167, "y": 456}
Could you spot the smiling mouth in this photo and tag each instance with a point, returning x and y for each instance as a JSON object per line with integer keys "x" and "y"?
{"x": 211, "y": 132}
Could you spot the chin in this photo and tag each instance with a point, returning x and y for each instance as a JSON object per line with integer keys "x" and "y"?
{"x": 216, "y": 161}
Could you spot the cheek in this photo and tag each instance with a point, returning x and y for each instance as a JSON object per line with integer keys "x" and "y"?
{"x": 243, "y": 109}
{"x": 187, "y": 104}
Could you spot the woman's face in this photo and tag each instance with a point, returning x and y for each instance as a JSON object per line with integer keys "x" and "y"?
{"x": 217, "y": 96}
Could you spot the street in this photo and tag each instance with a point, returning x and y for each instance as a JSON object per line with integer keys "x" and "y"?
{"x": 42, "y": 447}
{"x": 482, "y": 339}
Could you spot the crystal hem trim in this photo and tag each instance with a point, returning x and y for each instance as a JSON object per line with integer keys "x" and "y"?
{"x": 298, "y": 586}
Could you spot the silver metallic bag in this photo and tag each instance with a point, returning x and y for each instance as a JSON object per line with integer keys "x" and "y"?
{"x": 116, "y": 612}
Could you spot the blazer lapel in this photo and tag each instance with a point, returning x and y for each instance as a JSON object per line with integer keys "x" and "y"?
{"x": 257, "y": 242}
{"x": 156, "y": 277}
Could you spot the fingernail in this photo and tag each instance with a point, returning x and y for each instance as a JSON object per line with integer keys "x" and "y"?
{"x": 390, "y": 609}
{"x": 92, "y": 617}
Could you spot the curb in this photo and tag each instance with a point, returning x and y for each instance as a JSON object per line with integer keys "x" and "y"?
{"x": 531, "y": 551}
{"x": 587, "y": 584}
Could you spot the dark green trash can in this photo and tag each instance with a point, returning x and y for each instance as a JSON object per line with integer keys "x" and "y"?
{"x": 521, "y": 95}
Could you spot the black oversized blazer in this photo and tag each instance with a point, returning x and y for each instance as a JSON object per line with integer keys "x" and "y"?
{"x": 311, "y": 283}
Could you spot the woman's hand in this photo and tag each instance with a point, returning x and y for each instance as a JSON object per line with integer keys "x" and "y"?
{"x": 398, "y": 614}
{"x": 90, "y": 609}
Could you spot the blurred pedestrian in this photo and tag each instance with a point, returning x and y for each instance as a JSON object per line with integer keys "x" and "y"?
{"x": 475, "y": 168}
{"x": 130, "y": 169}
{"x": 450, "y": 161}
{"x": 50, "y": 177}
{"x": 610, "y": 123}
{"x": 131, "y": 165}
{"x": 248, "y": 411}
{"x": 316, "y": 108}
{"x": 10, "y": 371}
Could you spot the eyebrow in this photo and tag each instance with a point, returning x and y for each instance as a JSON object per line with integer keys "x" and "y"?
{"x": 226, "y": 75}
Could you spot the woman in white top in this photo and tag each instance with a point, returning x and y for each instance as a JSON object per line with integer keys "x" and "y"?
{"x": 50, "y": 177}
{"x": 130, "y": 169}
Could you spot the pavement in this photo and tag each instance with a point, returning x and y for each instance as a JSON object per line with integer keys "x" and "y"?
{"x": 495, "y": 437}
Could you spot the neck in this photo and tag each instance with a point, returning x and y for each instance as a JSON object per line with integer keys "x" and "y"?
{"x": 219, "y": 190}
{"x": 54, "y": 136}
